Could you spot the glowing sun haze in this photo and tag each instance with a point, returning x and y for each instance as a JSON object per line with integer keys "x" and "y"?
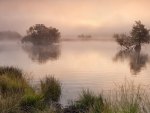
{"x": 99, "y": 17}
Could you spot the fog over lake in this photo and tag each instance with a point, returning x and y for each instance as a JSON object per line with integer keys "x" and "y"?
{"x": 94, "y": 65}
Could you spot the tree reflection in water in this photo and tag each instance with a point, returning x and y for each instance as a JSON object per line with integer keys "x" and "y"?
{"x": 137, "y": 60}
{"x": 42, "y": 53}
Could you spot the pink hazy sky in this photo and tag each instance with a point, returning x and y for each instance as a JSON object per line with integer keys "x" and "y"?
{"x": 74, "y": 16}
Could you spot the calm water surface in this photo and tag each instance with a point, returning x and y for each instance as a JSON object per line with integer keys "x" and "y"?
{"x": 96, "y": 65}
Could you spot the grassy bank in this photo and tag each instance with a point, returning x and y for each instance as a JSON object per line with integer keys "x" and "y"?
{"x": 127, "y": 98}
{"x": 17, "y": 96}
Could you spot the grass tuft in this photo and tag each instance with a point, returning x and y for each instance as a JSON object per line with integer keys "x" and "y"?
{"x": 11, "y": 72}
{"x": 30, "y": 102}
{"x": 88, "y": 101}
{"x": 51, "y": 89}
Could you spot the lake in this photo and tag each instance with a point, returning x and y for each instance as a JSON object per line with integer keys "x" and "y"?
{"x": 94, "y": 65}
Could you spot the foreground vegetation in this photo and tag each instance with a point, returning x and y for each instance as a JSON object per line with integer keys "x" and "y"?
{"x": 17, "y": 96}
{"x": 127, "y": 98}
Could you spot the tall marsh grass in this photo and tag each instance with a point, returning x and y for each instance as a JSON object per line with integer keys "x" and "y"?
{"x": 126, "y": 98}
{"x": 17, "y": 96}
{"x": 12, "y": 87}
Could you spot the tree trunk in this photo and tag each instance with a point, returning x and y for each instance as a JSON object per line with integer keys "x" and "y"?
{"x": 137, "y": 48}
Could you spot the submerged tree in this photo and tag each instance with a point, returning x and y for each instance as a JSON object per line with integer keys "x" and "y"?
{"x": 139, "y": 35}
{"x": 40, "y": 34}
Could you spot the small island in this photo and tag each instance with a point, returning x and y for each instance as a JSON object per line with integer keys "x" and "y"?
{"x": 39, "y": 34}
{"x": 84, "y": 37}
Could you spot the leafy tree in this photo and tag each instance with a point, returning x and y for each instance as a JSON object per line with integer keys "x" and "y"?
{"x": 40, "y": 34}
{"x": 140, "y": 34}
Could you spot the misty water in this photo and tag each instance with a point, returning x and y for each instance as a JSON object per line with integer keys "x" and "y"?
{"x": 94, "y": 65}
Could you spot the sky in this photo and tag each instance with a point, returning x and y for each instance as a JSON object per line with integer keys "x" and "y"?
{"x": 74, "y": 17}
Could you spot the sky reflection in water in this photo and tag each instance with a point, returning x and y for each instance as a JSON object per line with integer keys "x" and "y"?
{"x": 78, "y": 65}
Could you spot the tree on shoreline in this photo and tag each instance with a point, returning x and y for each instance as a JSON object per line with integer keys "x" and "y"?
{"x": 139, "y": 35}
{"x": 40, "y": 34}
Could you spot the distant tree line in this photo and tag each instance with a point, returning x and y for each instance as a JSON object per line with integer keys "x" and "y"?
{"x": 9, "y": 35}
{"x": 40, "y": 34}
{"x": 138, "y": 35}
